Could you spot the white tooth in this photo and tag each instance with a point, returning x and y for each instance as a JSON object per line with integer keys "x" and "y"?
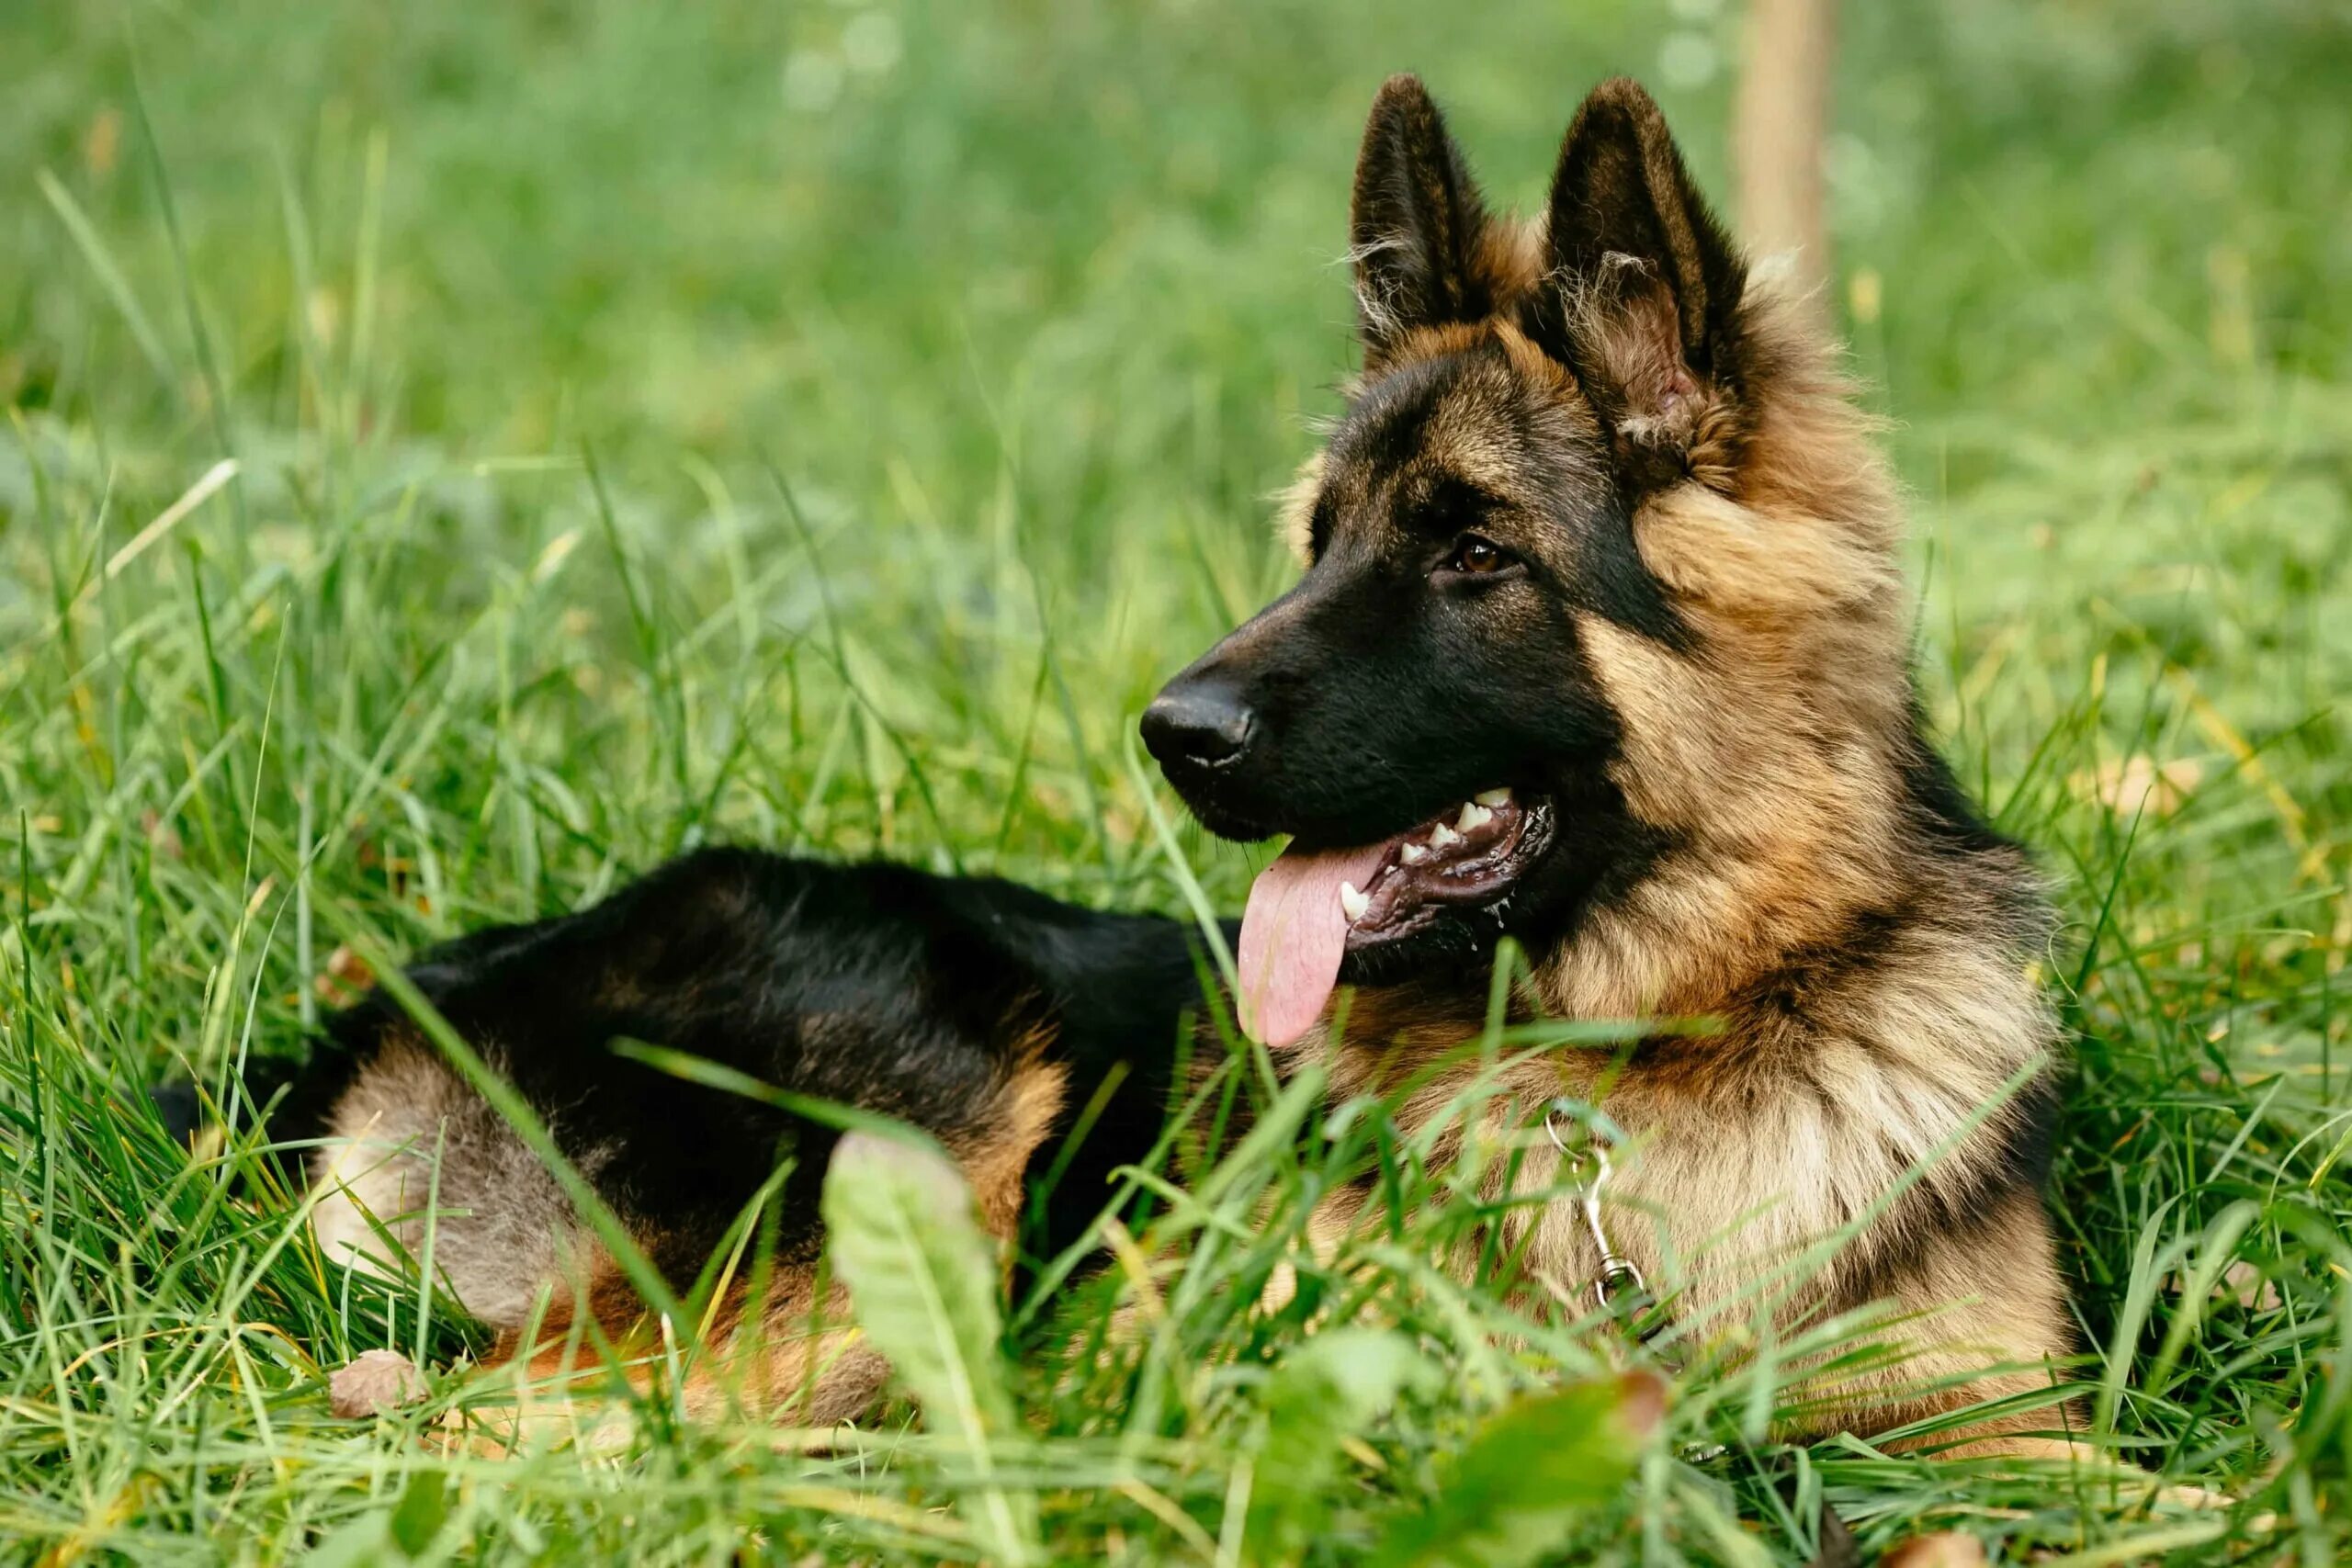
{"x": 1352, "y": 903}
{"x": 1442, "y": 837}
{"x": 1473, "y": 816}
{"x": 1493, "y": 797}
{"x": 1412, "y": 854}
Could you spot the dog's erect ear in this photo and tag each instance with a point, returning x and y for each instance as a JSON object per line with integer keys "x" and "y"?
{"x": 1643, "y": 302}
{"x": 1416, "y": 225}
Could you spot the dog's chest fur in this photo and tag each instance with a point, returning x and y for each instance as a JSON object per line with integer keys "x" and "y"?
{"x": 1896, "y": 1089}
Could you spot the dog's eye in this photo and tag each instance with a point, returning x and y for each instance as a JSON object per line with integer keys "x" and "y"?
{"x": 1477, "y": 555}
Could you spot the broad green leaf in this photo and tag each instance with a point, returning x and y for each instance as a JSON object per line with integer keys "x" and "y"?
{"x": 1322, "y": 1394}
{"x": 1528, "y": 1474}
{"x": 364, "y": 1542}
{"x": 922, "y": 1282}
{"x": 423, "y": 1508}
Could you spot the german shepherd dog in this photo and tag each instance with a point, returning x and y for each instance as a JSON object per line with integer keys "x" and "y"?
{"x": 1601, "y": 644}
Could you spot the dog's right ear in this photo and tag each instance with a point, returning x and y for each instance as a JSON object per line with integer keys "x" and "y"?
{"x": 1645, "y": 284}
{"x": 1416, "y": 224}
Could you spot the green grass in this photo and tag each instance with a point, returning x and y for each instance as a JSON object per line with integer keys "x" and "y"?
{"x": 651, "y": 429}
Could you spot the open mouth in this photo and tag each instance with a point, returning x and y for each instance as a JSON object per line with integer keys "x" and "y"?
{"x": 1310, "y": 907}
{"x": 1469, "y": 858}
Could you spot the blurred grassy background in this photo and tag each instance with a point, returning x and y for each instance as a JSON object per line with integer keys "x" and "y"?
{"x": 935, "y": 360}
{"x": 1064, "y": 272}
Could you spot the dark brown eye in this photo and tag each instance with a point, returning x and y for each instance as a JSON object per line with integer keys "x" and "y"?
{"x": 1476, "y": 555}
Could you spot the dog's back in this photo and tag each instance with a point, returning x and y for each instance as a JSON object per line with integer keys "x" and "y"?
{"x": 979, "y": 1012}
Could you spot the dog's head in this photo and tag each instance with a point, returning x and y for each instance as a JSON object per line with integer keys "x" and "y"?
{"x": 1437, "y": 712}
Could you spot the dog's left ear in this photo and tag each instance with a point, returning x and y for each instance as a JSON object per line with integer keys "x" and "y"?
{"x": 1645, "y": 286}
{"x": 1415, "y": 225}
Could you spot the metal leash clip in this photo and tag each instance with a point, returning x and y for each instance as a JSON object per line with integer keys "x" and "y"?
{"x": 1619, "y": 1289}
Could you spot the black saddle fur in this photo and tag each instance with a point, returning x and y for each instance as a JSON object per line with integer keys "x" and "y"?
{"x": 874, "y": 985}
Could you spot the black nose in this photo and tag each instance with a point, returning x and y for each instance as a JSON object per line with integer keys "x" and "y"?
{"x": 1200, "y": 722}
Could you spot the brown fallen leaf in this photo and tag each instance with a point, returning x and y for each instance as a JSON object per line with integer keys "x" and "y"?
{"x": 2136, "y": 785}
{"x": 1641, "y": 1402}
{"x": 161, "y": 836}
{"x": 103, "y": 141}
{"x": 2241, "y": 1280}
{"x": 345, "y": 979}
{"x": 2253, "y": 1292}
{"x": 1943, "y": 1549}
{"x": 374, "y": 1381}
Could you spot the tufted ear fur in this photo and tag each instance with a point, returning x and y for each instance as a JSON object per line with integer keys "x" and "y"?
{"x": 1417, "y": 224}
{"x": 1645, "y": 284}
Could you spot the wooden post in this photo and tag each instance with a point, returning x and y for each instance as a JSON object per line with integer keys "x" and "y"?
{"x": 1778, "y": 128}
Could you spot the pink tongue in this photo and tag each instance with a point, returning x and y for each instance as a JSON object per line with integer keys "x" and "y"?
{"x": 1293, "y": 935}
